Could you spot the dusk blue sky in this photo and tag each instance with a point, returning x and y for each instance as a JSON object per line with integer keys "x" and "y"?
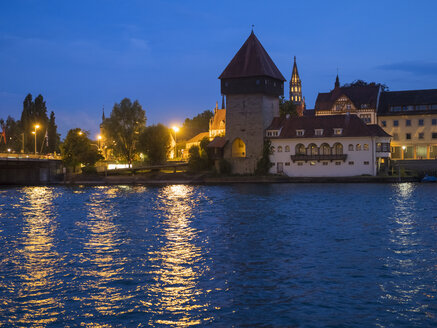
{"x": 83, "y": 55}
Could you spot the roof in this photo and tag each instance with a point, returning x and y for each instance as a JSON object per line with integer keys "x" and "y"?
{"x": 406, "y": 98}
{"x": 295, "y": 73}
{"x": 219, "y": 115}
{"x": 359, "y": 95}
{"x": 218, "y": 142}
{"x": 352, "y": 126}
{"x": 198, "y": 137}
{"x": 250, "y": 61}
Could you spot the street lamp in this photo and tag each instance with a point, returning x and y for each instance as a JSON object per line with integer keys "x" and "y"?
{"x": 99, "y": 137}
{"x": 80, "y": 132}
{"x": 34, "y": 132}
{"x": 176, "y": 130}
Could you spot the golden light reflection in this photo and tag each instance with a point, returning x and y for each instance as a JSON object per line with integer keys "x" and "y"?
{"x": 39, "y": 259}
{"x": 101, "y": 252}
{"x": 178, "y": 262}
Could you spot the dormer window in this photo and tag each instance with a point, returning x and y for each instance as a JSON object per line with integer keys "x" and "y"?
{"x": 300, "y": 133}
{"x": 338, "y": 131}
{"x": 318, "y": 132}
{"x": 272, "y": 133}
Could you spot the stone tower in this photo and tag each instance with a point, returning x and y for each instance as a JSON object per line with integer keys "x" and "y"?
{"x": 252, "y": 85}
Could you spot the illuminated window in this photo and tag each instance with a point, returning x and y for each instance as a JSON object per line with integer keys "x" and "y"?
{"x": 312, "y": 150}
{"x": 365, "y": 147}
{"x": 318, "y": 132}
{"x": 338, "y": 131}
{"x": 358, "y": 147}
{"x": 287, "y": 150}
{"x": 300, "y": 149}
{"x": 338, "y": 149}
{"x": 279, "y": 149}
{"x": 312, "y": 163}
{"x": 300, "y": 133}
{"x": 325, "y": 149}
{"x": 238, "y": 148}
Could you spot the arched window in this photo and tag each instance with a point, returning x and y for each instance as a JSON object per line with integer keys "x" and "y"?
{"x": 279, "y": 149}
{"x": 338, "y": 149}
{"x": 238, "y": 148}
{"x": 365, "y": 147}
{"x": 312, "y": 150}
{"x": 351, "y": 147}
{"x": 325, "y": 149}
{"x": 287, "y": 149}
{"x": 300, "y": 149}
{"x": 358, "y": 147}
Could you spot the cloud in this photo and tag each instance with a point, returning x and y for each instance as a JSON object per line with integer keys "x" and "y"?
{"x": 413, "y": 67}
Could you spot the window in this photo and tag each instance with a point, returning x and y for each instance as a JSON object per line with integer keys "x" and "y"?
{"x": 434, "y": 121}
{"x": 300, "y": 133}
{"x": 365, "y": 147}
{"x": 312, "y": 163}
{"x": 367, "y": 118}
{"x": 312, "y": 150}
{"x": 279, "y": 149}
{"x": 287, "y": 150}
{"x": 318, "y": 132}
{"x": 338, "y": 131}
{"x": 348, "y": 106}
{"x": 395, "y": 123}
{"x": 408, "y": 136}
{"x": 299, "y": 163}
{"x": 273, "y": 149}
{"x": 351, "y": 147}
{"x": 272, "y": 133}
{"x": 351, "y": 163}
{"x": 366, "y": 163}
{"x": 358, "y": 147}
{"x": 338, "y": 149}
{"x": 287, "y": 163}
{"x": 421, "y": 135}
{"x": 420, "y": 122}
{"x": 325, "y": 149}
{"x": 434, "y": 135}
{"x": 325, "y": 163}
{"x": 337, "y": 163}
{"x": 300, "y": 149}
{"x": 384, "y": 123}
{"x": 395, "y": 136}
{"x": 238, "y": 148}
{"x": 408, "y": 122}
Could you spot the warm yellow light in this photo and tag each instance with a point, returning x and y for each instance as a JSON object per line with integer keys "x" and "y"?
{"x": 33, "y": 132}
{"x": 37, "y": 126}
{"x": 403, "y": 147}
{"x": 99, "y": 137}
{"x": 80, "y": 133}
{"x": 175, "y": 128}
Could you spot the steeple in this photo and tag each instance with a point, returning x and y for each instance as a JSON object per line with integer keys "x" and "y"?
{"x": 295, "y": 85}
{"x": 103, "y": 114}
{"x": 337, "y": 82}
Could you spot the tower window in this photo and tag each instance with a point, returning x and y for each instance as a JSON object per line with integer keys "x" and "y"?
{"x": 238, "y": 148}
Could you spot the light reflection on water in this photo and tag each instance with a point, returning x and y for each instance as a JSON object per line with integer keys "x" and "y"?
{"x": 258, "y": 255}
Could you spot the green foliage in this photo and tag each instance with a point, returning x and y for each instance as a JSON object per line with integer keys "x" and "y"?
{"x": 196, "y": 125}
{"x": 287, "y": 107}
{"x": 34, "y": 112}
{"x": 77, "y": 149}
{"x": 123, "y": 128}
{"x": 198, "y": 158}
{"x": 12, "y": 130}
{"x": 52, "y": 133}
{"x": 263, "y": 166}
{"x": 154, "y": 142}
{"x": 361, "y": 83}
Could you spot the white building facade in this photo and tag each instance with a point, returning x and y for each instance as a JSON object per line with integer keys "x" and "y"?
{"x": 330, "y": 146}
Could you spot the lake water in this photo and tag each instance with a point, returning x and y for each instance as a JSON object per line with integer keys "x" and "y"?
{"x": 296, "y": 255}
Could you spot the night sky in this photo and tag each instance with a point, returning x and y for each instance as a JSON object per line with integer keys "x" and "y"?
{"x": 83, "y": 55}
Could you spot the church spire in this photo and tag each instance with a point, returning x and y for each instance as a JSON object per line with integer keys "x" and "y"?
{"x": 337, "y": 82}
{"x": 103, "y": 114}
{"x": 295, "y": 85}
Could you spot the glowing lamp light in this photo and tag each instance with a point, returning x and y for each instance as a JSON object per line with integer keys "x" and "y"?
{"x": 175, "y": 129}
{"x": 99, "y": 137}
{"x": 403, "y": 147}
{"x": 80, "y": 133}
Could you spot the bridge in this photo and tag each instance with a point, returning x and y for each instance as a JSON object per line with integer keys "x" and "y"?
{"x": 27, "y": 169}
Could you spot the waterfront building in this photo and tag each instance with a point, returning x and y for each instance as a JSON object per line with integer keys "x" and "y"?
{"x": 411, "y": 118}
{"x": 361, "y": 100}
{"x": 296, "y": 90}
{"x": 327, "y": 146}
{"x": 252, "y": 85}
{"x": 217, "y": 123}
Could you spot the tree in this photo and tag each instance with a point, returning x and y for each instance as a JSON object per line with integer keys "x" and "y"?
{"x": 287, "y": 107}
{"x": 123, "y": 128}
{"x": 12, "y": 130}
{"x": 198, "y": 158}
{"x": 34, "y": 112}
{"x": 196, "y": 125}
{"x": 361, "y": 83}
{"x": 53, "y": 136}
{"x": 154, "y": 142}
{"x": 263, "y": 166}
{"x": 77, "y": 149}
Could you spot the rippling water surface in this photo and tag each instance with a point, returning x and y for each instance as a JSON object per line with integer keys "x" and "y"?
{"x": 243, "y": 255}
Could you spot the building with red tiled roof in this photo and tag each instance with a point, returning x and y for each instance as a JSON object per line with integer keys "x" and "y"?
{"x": 334, "y": 145}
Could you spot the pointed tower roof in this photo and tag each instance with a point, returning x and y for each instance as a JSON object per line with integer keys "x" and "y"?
{"x": 251, "y": 60}
{"x": 295, "y": 74}
{"x": 337, "y": 82}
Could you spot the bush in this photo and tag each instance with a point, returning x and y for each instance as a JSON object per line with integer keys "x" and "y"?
{"x": 89, "y": 170}
{"x": 263, "y": 166}
{"x": 224, "y": 166}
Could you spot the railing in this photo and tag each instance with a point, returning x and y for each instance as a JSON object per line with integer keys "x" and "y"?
{"x": 306, "y": 158}
{"x": 28, "y": 156}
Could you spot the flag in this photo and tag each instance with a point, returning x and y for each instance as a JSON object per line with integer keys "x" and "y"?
{"x": 3, "y": 134}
